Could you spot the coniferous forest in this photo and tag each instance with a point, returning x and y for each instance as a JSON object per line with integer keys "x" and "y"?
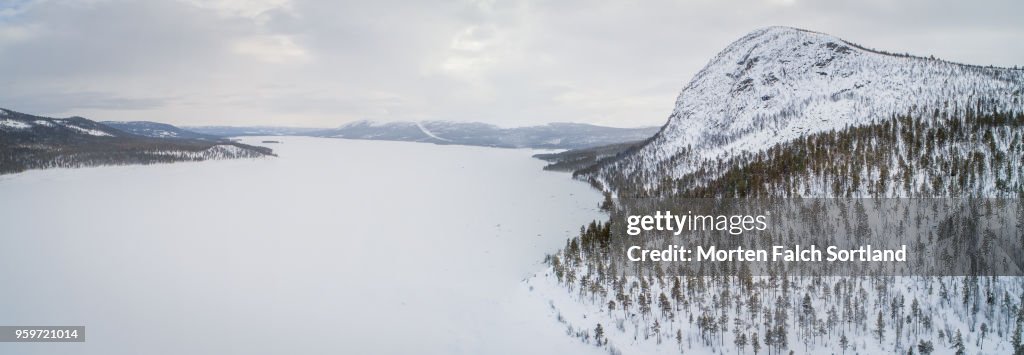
{"x": 726, "y": 308}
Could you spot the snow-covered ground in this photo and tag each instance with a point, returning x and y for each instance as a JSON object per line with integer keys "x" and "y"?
{"x": 334, "y": 247}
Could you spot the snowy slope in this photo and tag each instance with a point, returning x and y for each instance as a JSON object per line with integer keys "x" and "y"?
{"x": 779, "y": 83}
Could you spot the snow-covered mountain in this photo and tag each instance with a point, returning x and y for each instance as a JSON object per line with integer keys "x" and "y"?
{"x": 786, "y": 113}
{"x": 395, "y": 131}
{"x": 553, "y": 135}
{"x": 777, "y": 84}
{"x": 36, "y": 142}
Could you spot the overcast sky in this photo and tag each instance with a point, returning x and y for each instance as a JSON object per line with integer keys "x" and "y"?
{"x": 324, "y": 63}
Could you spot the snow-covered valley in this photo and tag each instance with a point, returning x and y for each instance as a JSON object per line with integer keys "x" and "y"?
{"x": 335, "y": 246}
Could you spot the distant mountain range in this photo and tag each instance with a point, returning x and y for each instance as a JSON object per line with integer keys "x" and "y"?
{"x": 242, "y": 131}
{"x": 36, "y": 142}
{"x": 549, "y": 136}
{"x": 159, "y": 130}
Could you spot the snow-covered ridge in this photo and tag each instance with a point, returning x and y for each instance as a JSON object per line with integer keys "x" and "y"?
{"x": 12, "y": 124}
{"x": 36, "y": 142}
{"x": 156, "y": 130}
{"x": 26, "y": 124}
{"x": 89, "y": 131}
{"x": 778, "y": 83}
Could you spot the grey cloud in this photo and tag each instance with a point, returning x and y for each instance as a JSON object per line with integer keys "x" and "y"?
{"x": 507, "y": 62}
{"x": 64, "y": 102}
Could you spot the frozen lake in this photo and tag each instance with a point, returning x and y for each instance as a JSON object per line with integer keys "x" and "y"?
{"x": 335, "y": 247}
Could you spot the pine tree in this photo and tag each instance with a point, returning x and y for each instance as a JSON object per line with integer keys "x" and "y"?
{"x": 984, "y": 329}
{"x": 925, "y": 347}
{"x": 599, "y": 334}
{"x": 880, "y": 327}
{"x": 677, "y": 292}
{"x": 1018, "y": 346}
{"x": 958, "y": 343}
{"x": 644, "y": 303}
{"x": 741, "y": 342}
{"x": 844, "y": 343}
{"x": 746, "y": 277}
{"x": 966, "y": 291}
{"x": 832, "y": 320}
{"x": 657, "y": 330}
{"x": 781, "y": 339}
{"x": 665, "y": 305}
{"x": 679, "y": 338}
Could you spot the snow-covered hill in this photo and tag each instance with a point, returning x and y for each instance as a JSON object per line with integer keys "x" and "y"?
{"x": 36, "y": 142}
{"x": 785, "y": 113}
{"x": 20, "y": 124}
{"x": 777, "y": 84}
{"x": 157, "y": 130}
